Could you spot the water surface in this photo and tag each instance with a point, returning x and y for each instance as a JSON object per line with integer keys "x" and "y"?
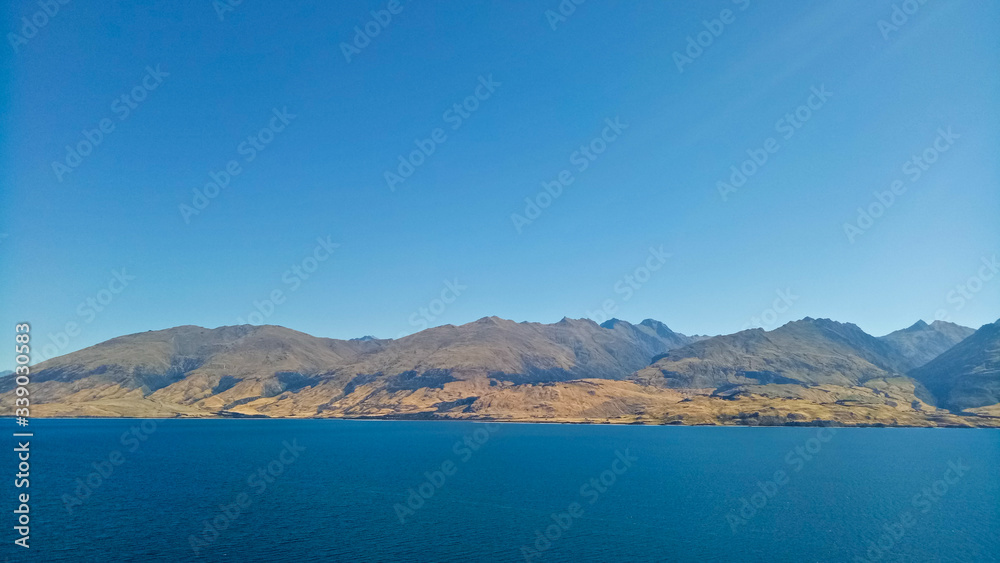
{"x": 325, "y": 490}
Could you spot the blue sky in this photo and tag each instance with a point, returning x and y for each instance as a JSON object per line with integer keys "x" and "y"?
{"x": 442, "y": 246}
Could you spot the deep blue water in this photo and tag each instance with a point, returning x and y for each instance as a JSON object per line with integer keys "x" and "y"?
{"x": 334, "y": 500}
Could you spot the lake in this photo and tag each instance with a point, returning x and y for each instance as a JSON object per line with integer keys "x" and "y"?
{"x": 333, "y": 490}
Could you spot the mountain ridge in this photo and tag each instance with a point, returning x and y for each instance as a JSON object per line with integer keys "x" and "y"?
{"x": 572, "y": 370}
{"x": 967, "y": 375}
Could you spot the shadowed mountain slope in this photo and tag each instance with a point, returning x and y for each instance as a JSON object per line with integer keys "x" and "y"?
{"x": 923, "y": 342}
{"x": 968, "y": 374}
{"x": 810, "y": 351}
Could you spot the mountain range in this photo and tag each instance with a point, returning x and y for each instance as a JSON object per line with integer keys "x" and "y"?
{"x": 811, "y": 371}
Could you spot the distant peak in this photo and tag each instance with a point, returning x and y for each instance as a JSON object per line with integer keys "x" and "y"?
{"x": 919, "y": 325}
{"x": 610, "y": 323}
{"x": 364, "y": 338}
{"x": 659, "y": 328}
{"x": 822, "y": 321}
{"x": 821, "y": 324}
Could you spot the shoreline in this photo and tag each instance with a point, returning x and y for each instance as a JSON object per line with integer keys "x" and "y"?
{"x": 606, "y": 423}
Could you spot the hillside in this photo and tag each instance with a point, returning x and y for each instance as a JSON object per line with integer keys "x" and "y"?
{"x": 190, "y": 369}
{"x": 923, "y": 342}
{"x": 967, "y": 376}
{"x": 806, "y": 371}
{"x": 806, "y": 352}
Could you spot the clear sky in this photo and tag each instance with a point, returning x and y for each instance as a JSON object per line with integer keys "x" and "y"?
{"x": 197, "y": 86}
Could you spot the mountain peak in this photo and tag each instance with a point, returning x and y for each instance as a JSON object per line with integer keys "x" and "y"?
{"x": 610, "y": 323}
{"x": 653, "y": 323}
{"x": 967, "y": 374}
{"x": 822, "y": 322}
{"x": 569, "y": 321}
{"x": 922, "y": 342}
